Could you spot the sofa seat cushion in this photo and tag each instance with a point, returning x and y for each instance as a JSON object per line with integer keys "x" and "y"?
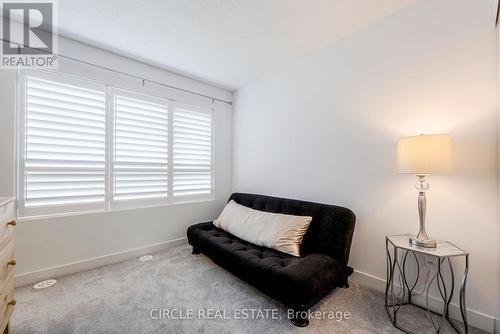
{"x": 295, "y": 281}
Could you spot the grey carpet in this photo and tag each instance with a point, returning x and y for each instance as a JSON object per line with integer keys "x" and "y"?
{"x": 118, "y": 299}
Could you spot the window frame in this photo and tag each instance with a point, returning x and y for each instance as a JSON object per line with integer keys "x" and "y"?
{"x": 133, "y": 203}
{"x": 110, "y": 204}
{"x": 211, "y": 113}
{"x": 22, "y": 146}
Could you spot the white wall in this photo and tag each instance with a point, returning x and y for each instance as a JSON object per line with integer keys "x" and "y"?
{"x": 497, "y": 327}
{"x": 325, "y": 129}
{"x": 44, "y": 243}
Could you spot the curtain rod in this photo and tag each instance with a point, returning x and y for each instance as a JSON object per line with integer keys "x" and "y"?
{"x": 498, "y": 14}
{"x": 124, "y": 73}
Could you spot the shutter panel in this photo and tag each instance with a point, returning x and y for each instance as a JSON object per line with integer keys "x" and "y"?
{"x": 192, "y": 152}
{"x": 140, "y": 147}
{"x": 64, "y": 146}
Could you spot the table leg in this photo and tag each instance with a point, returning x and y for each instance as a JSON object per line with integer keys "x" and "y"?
{"x": 394, "y": 260}
{"x": 410, "y": 289}
{"x": 439, "y": 280}
{"x": 388, "y": 270}
{"x": 452, "y": 277}
{"x": 404, "y": 284}
{"x": 443, "y": 293}
{"x": 389, "y": 286}
{"x": 463, "y": 305}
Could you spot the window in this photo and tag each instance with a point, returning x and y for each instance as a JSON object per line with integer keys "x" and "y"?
{"x": 85, "y": 146}
{"x": 192, "y": 139}
{"x": 63, "y": 147}
{"x": 140, "y": 157}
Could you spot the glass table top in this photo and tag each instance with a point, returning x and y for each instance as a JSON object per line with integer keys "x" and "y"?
{"x": 443, "y": 248}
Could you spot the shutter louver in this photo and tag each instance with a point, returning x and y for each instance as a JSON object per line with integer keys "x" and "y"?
{"x": 140, "y": 149}
{"x": 192, "y": 152}
{"x": 64, "y": 143}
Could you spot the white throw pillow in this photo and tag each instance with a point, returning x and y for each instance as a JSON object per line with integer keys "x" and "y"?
{"x": 272, "y": 230}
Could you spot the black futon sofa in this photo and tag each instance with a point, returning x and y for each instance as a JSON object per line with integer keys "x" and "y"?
{"x": 297, "y": 282}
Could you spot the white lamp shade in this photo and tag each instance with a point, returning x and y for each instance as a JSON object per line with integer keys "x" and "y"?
{"x": 424, "y": 154}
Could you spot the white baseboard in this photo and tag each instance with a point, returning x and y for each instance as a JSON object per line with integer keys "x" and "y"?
{"x": 475, "y": 318}
{"x": 74, "y": 267}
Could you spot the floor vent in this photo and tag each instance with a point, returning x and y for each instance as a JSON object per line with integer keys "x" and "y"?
{"x": 44, "y": 284}
{"x": 146, "y": 258}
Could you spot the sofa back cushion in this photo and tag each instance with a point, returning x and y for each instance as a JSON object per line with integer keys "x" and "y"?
{"x": 272, "y": 230}
{"x": 331, "y": 228}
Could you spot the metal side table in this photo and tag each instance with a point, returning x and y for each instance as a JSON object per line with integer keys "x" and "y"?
{"x": 443, "y": 252}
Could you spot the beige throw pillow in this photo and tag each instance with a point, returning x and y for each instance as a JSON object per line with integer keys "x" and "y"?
{"x": 272, "y": 230}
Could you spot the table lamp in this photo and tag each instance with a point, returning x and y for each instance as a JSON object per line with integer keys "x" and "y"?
{"x": 422, "y": 155}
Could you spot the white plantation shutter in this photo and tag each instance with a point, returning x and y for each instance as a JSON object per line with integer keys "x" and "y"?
{"x": 84, "y": 146}
{"x": 63, "y": 145}
{"x": 192, "y": 151}
{"x": 140, "y": 163}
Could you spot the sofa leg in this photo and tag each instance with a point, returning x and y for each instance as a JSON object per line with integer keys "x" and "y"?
{"x": 196, "y": 251}
{"x": 300, "y": 318}
{"x": 345, "y": 283}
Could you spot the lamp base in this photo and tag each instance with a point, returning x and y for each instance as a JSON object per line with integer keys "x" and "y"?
{"x": 427, "y": 243}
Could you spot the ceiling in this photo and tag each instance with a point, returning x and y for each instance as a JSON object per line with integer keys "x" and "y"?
{"x": 224, "y": 42}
